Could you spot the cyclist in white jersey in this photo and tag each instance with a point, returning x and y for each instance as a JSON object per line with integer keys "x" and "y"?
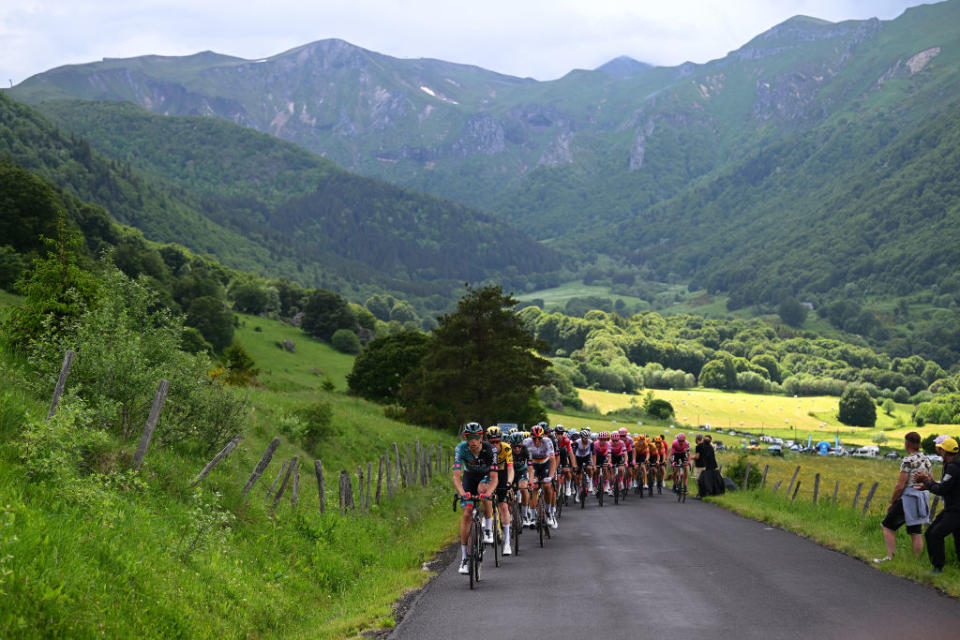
{"x": 543, "y": 465}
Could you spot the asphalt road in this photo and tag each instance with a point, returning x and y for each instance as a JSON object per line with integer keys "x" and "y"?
{"x": 658, "y": 569}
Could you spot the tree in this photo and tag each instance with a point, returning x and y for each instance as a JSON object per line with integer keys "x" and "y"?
{"x": 324, "y": 313}
{"x": 889, "y": 406}
{"x": 481, "y": 365}
{"x": 857, "y": 408}
{"x": 378, "y": 371}
{"x": 209, "y": 315}
{"x": 345, "y": 341}
{"x": 792, "y": 312}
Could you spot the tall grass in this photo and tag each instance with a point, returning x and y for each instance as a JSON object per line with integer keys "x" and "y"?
{"x": 838, "y": 526}
{"x": 124, "y": 555}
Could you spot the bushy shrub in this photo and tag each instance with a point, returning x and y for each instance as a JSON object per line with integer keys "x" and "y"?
{"x": 64, "y": 446}
{"x": 317, "y": 422}
{"x": 901, "y": 395}
{"x": 738, "y": 470}
{"x": 345, "y": 341}
{"x": 856, "y": 408}
{"x": 659, "y": 408}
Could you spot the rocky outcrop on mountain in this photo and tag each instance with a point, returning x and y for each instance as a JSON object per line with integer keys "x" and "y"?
{"x": 559, "y": 152}
{"x": 913, "y": 65}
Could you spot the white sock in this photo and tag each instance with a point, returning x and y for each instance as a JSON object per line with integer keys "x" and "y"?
{"x": 506, "y": 533}
{"x": 486, "y": 523}
{"x": 463, "y": 551}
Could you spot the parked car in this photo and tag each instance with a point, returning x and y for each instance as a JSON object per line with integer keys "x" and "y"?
{"x": 775, "y": 450}
{"x": 870, "y": 451}
{"x": 892, "y": 455}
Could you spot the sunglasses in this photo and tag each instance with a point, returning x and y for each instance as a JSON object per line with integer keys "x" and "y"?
{"x": 474, "y": 437}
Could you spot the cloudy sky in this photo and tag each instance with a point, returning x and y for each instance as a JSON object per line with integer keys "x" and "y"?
{"x": 538, "y": 38}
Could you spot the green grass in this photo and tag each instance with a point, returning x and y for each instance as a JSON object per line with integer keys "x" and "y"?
{"x": 281, "y": 370}
{"x": 558, "y": 296}
{"x": 87, "y": 560}
{"x": 838, "y": 526}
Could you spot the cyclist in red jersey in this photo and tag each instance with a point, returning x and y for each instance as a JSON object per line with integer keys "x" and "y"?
{"x": 565, "y": 452}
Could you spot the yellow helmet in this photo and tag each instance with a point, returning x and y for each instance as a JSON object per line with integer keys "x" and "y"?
{"x": 494, "y": 433}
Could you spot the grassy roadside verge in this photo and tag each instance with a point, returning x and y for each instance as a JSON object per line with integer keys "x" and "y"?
{"x": 116, "y": 554}
{"x": 843, "y": 529}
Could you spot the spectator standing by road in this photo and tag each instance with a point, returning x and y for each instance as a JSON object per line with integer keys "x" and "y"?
{"x": 949, "y": 489}
{"x": 697, "y": 458}
{"x": 908, "y": 505}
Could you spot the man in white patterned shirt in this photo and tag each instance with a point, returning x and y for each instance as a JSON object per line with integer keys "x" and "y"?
{"x": 898, "y": 513}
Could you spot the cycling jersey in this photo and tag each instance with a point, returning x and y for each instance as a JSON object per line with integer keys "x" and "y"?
{"x": 678, "y": 450}
{"x": 601, "y": 449}
{"x": 564, "y": 450}
{"x": 478, "y": 465}
{"x": 617, "y": 452}
{"x": 504, "y": 461}
{"x": 539, "y": 453}
{"x": 583, "y": 449}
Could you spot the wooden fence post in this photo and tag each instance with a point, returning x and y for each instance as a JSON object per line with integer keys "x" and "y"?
{"x": 402, "y": 481}
{"x": 349, "y": 482}
{"x": 296, "y": 483}
{"x": 261, "y": 466}
{"x": 283, "y": 485}
{"x": 856, "y": 496}
{"x": 866, "y": 503}
{"x": 763, "y": 478}
{"x": 283, "y": 468}
{"x": 431, "y": 463}
{"x": 343, "y": 492}
{"x": 366, "y": 500}
{"x": 408, "y": 466}
{"x": 158, "y": 398}
{"x": 318, "y": 467}
{"x": 416, "y": 461}
{"x": 216, "y": 460}
{"x": 61, "y": 381}
{"x": 379, "y": 481}
{"x": 746, "y": 478}
{"x": 776, "y": 487}
{"x": 795, "y": 491}
{"x": 836, "y": 490}
{"x": 389, "y": 476}
{"x": 795, "y": 473}
{"x": 816, "y": 488}
{"x": 360, "y": 485}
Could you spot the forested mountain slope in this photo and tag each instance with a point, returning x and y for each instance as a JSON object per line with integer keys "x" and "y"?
{"x": 665, "y": 167}
{"x": 262, "y": 204}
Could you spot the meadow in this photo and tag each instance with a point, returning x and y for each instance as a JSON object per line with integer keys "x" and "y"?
{"x": 146, "y": 555}
{"x": 793, "y": 418}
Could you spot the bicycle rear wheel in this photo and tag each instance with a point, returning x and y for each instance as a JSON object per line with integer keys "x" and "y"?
{"x": 616, "y": 490}
{"x": 497, "y": 534}
{"x": 472, "y": 554}
{"x": 541, "y": 518}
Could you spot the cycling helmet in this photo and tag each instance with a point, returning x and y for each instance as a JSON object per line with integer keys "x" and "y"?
{"x": 615, "y": 436}
{"x": 604, "y": 435}
{"x": 544, "y": 425}
{"x": 559, "y": 429}
{"x": 473, "y": 429}
{"x": 584, "y": 433}
{"x": 658, "y": 439}
{"x": 512, "y": 430}
{"x": 494, "y": 433}
{"x": 574, "y": 434}
{"x": 623, "y": 431}
{"x": 681, "y": 437}
{"x": 537, "y": 431}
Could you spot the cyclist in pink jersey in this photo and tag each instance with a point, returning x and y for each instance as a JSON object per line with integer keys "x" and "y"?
{"x": 601, "y": 462}
{"x": 678, "y": 453}
{"x": 627, "y": 441}
{"x": 618, "y": 459}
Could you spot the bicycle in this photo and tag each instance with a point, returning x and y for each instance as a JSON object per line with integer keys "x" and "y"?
{"x": 541, "y": 517}
{"x": 584, "y": 482}
{"x": 474, "y": 538}
{"x": 679, "y": 482}
{"x": 496, "y": 526}
{"x": 517, "y": 528}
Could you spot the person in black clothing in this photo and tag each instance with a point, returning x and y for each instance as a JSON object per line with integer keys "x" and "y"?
{"x": 697, "y": 458}
{"x": 709, "y": 482}
{"x": 949, "y": 489}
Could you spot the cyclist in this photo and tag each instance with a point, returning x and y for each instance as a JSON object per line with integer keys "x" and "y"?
{"x": 656, "y": 456}
{"x": 582, "y": 453}
{"x": 601, "y": 462}
{"x": 618, "y": 456}
{"x": 520, "y": 457}
{"x": 505, "y": 481}
{"x": 678, "y": 451}
{"x": 542, "y": 466}
{"x": 565, "y": 451}
{"x": 474, "y": 474}
{"x": 640, "y": 456}
{"x": 627, "y": 441}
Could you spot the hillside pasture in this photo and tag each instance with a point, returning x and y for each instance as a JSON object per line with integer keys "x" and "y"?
{"x": 779, "y": 416}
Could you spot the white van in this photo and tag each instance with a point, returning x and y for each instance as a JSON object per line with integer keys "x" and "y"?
{"x": 870, "y": 451}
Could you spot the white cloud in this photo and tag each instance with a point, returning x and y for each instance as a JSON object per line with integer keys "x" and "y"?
{"x": 539, "y": 38}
